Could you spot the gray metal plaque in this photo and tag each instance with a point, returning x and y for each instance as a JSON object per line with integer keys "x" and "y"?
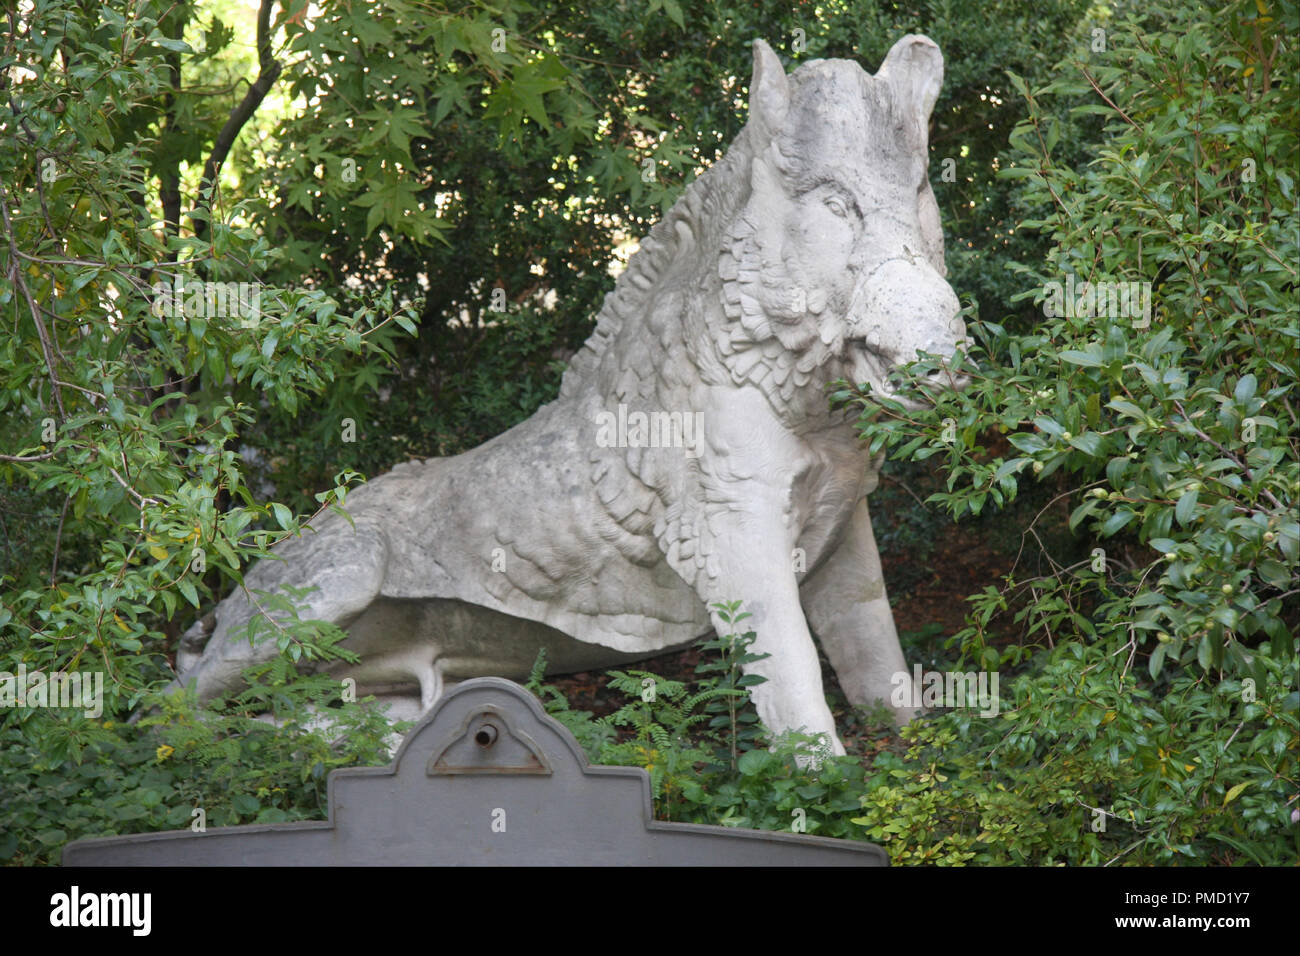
{"x": 485, "y": 778}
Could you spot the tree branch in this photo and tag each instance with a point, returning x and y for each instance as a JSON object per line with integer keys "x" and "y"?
{"x": 268, "y": 73}
{"x": 169, "y": 189}
{"x": 16, "y": 276}
{"x": 42, "y": 457}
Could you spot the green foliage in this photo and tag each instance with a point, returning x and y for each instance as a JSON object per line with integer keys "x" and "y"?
{"x": 118, "y": 397}
{"x": 661, "y": 716}
{"x": 592, "y": 734}
{"x": 1083, "y": 769}
{"x": 539, "y": 141}
{"x": 1173, "y": 436}
{"x": 123, "y": 405}
{"x": 1079, "y": 767}
{"x": 707, "y": 752}
{"x": 737, "y": 725}
{"x": 107, "y": 777}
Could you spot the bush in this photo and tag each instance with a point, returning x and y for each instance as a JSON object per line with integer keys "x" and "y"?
{"x": 182, "y": 765}
{"x": 1077, "y": 768}
{"x": 708, "y": 754}
{"x": 1161, "y": 666}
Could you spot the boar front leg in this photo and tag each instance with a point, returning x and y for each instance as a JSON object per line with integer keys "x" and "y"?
{"x": 751, "y": 557}
{"x": 849, "y": 610}
{"x": 730, "y": 532}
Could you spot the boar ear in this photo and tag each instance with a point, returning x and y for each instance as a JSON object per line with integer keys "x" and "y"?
{"x": 769, "y": 91}
{"x": 914, "y": 69}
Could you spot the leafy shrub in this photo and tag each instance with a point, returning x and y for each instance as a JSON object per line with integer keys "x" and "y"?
{"x": 707, "y": 752}
{"x": 118, "y": 415}
{"x": 263, "y": 757}
{"x": 1152, "y": 658}
{"x": 1081, "y": 770}
{"x": 1076, "y": 768}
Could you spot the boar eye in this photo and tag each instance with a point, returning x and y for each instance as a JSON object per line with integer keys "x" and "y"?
{"x": 836, "y": 205}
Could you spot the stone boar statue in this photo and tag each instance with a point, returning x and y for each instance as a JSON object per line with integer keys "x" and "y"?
{"x": 691, "y": 457}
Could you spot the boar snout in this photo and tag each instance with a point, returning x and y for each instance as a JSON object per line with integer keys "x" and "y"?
{"x": 906, "y": 308}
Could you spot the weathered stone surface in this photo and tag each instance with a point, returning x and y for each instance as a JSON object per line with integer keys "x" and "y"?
{"x": 485, "y": 779}
{"x": 812, "y": 251}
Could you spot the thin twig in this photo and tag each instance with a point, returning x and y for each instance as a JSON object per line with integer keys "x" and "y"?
{"x": 58, "y": 540}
